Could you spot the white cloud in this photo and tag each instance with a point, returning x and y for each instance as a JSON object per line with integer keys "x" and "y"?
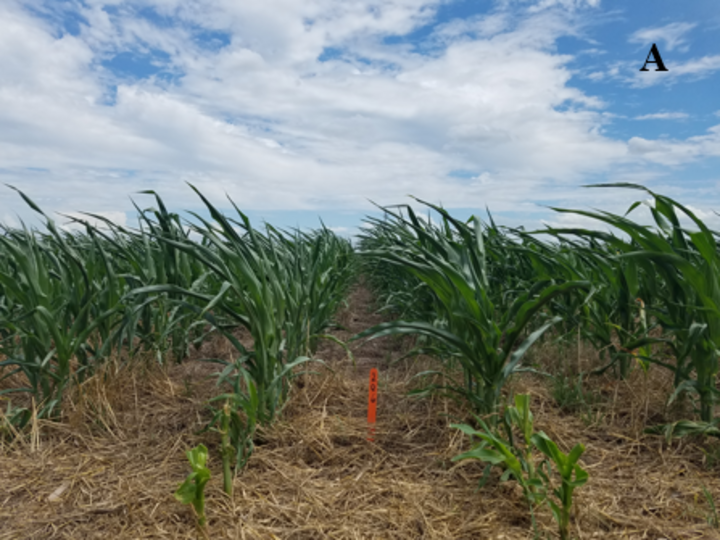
{"x": 540, "y": 5}
{"x": 8, "y": 220}
{"x": 351, "y": 233}
{"x": 704, "y": 215}
{"x": 566, "y": 4}
{"x": 700, "y": 66}
{"x": 672, "y": 35}
{"x": 663, "y": 116}
{"x": 675, "y": 152}
{"x": 265, "y": 121}
{"x": 478, "y": 26}
{"x": 262, "y": 116}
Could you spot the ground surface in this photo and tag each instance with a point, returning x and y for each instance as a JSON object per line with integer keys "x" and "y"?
{"x": 110, "y": 470}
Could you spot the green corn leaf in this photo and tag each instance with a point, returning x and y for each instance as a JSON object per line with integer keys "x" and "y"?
{"x": 186, "y": 492}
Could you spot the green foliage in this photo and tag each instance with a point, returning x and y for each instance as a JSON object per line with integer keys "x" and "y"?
{"x": 571, "y": 474}
{"x": 284, "y": 290}
{"x": 13, "y": 420}
{"x": 515, "y": 457}
{"x": 192, "y": 490}
{"x": 679, "y": 270}
{"x": 227, "y": 450}
{"x": 470, "y": 323}
{"x": 69, "y": 301}
{"x": 52, "y": 307}
{"x": 517, "y": 460}
{"x": 684, "y": 428}
{"x": 66, "y": 303}
{"x": 478, "y": 295}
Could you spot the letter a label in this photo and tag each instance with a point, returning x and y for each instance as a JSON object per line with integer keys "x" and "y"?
{"x": 657, "y": 60}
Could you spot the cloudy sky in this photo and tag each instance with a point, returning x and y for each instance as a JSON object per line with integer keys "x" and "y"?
{"x": 305, "y": 108}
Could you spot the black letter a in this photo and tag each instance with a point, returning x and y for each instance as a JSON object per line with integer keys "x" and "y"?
{"x": 658, "y": 60}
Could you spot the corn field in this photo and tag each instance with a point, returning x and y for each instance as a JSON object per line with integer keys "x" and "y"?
{"x": 477, "y": 295}
{"x": 477, "y": 298}
{"x": 70, "y": 302}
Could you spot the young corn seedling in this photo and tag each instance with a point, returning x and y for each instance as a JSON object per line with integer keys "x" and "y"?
{"x": 684, "y": 428}
{"x": 192, "y": 490}
{"x": 571, "y": 474}
{"x": 518, "y": 461}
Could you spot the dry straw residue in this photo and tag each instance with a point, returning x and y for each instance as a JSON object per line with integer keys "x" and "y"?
{"x": 110, "y": 470}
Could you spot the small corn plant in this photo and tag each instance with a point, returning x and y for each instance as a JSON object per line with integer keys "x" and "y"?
{"x": 518, "y": 461}
{"x": 236, "y": 430}
{"x": 192, "y": 490}
{"x": 685, "y": 428}
{"x": 571, "y": 474}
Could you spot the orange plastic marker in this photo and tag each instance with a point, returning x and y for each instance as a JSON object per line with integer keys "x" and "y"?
{"x": 372, "y": 404}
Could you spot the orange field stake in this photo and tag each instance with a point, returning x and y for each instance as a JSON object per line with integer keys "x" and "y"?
{"x": 372, "y": 404}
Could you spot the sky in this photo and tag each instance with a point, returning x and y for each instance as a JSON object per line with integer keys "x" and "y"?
{"x": 301, "y": 110}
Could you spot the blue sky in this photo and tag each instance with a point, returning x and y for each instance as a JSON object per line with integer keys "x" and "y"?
{"x": 306, "y": 109}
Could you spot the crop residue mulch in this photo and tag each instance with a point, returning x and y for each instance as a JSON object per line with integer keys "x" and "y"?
{"x": 110, "y": 470}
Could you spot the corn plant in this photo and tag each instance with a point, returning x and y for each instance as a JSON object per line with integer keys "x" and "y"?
{"x": 238, "y": 420}
{"x": 484, "y": 335}
{"x": 227, "y": 450}
{"x": 163, "y": 322}
{"x": 397, "y": 290}
{"x": 271, "y": 285}
{"x": 572, "y": 476}
{"x": 682, "y": 267}
{"x": 58, "y": 304}
{"x": 518, "y": 461}
{"x": 684, "y": 428}
{"x": 611, "y": 317}
{"x": 192, "y": 490}
{"x": 68, "y": 301}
